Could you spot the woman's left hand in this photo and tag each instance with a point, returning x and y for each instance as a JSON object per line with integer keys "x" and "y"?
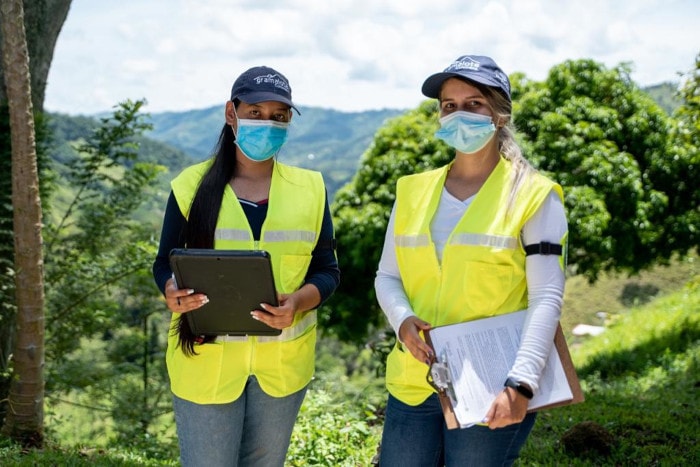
{"x": 509, "y": 407}
{"x": 278, "y": 317}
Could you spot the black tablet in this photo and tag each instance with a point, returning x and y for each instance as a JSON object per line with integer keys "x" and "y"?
{"x": 236, "y": 282}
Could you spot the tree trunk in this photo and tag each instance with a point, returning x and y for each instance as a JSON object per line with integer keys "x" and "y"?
{"x": 25, "y": 416}
{"x": 43, "y": 20}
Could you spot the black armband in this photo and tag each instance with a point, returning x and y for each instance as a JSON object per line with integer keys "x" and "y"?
{"x": 543, "y": 248}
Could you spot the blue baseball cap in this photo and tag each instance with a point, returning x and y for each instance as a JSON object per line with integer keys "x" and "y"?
{"x": 476, "y": 68}
{"x": 262, "y": 83}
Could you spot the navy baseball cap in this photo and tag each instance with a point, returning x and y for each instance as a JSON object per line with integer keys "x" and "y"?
{"x": 476, "y": 68}
{"x": 261, "y": 83}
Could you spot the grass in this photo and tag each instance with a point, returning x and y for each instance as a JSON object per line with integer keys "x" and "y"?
{"x": 641, "y": 379}
{"x": 596, "y": 303}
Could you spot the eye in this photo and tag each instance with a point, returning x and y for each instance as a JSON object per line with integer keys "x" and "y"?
{"x": 280, "y": 117}
{"x": 448, "y": 107}
{"x": 254, "y": 113}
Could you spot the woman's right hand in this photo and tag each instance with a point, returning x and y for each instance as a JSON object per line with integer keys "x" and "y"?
{"x": 182, "y": 300}
{"x": 409, "y": 334}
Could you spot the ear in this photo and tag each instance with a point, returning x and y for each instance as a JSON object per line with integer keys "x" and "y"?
{"x": 230, "y": 113}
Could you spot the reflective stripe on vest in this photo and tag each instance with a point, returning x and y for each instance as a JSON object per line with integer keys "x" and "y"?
{"x": 498, "y": 241}
{"x": 270, "y": 236}
{"x": 287, "y": 334}
{"x": 231, "y": 234}
{"x": 290, "y": 236}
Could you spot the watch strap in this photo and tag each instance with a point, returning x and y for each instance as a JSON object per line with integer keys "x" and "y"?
{"x": 511, "y": 383}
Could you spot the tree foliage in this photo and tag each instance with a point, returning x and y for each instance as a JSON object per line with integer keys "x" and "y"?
{"x": 98, "y": 282}
{"x": 629, "y": 184}
{"x": 628, "y": 171}
{"x": 94, "y": 245}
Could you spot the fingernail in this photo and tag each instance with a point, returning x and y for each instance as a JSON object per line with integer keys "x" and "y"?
{"x": 254, "y": 316}
{"x": 190, "y": 291}
{"x": 262, "y": 305}
{"x": 206, "y": 299}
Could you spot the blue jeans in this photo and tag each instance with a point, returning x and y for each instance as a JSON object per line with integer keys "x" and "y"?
{"x": 417, "y": 436}
{"x": 253, "y": 430}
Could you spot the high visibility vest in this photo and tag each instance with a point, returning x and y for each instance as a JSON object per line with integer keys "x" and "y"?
{"x": 483, "y": 267}
{"x": 282, "y": 364}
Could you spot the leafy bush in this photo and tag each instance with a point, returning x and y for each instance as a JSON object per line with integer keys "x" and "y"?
{"x": 331, "y": 432}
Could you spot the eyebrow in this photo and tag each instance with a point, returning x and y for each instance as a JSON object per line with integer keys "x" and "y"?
{"x": 281, "y": 106}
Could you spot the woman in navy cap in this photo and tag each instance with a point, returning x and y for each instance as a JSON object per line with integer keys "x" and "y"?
{"x": 479, "y": 237}
{"x": 236, "y": 397}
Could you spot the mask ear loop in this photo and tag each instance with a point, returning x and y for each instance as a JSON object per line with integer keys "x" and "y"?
{"x": 235, "y": 115}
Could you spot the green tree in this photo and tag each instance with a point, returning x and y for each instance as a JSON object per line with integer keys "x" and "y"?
{"x": 94, "y": 245}
{"x": 686, "y": 158}
{"x": 630, "y": 187}
{"x": 98, "y": 284}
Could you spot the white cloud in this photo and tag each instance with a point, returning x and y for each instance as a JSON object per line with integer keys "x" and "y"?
{"x": 346, "y": 54}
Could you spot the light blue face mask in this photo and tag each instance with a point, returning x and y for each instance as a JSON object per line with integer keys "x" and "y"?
{"x": 467, "y": 132}
{"x": 260, "y": 140}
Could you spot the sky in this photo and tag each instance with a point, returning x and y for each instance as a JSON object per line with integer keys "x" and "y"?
{"x": 347, "y": 55}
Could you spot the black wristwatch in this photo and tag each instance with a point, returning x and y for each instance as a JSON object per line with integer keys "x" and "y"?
{"x": 525, "y": 391}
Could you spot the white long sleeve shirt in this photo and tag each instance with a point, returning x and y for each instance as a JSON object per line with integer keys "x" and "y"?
{"x": 545, "y": 279}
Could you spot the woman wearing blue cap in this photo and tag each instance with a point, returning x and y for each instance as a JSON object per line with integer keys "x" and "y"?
{"x": 236, "y": 397}
{"x": 463, "y": 243}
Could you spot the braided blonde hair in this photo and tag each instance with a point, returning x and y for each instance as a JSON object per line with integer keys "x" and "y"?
{"x": 507, "y": 145}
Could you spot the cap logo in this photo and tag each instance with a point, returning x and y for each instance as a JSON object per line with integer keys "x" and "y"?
{"x": 274, "y": 79}
{"x": 500, "y": 76}
{"x": 464, "y": 64}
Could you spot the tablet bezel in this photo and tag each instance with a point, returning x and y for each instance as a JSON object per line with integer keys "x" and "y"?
{"x": 235, "y": 281}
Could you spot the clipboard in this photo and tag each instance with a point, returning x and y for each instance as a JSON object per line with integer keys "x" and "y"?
{"x": 440, "y": 378}
{"x": 235, "y": 281}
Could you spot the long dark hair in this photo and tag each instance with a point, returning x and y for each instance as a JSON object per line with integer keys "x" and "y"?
{"x": 201, "y": 222}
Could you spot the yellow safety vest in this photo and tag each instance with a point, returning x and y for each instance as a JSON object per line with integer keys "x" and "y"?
{"x": 483, "y": 267}
{"x": 282, "y": 364}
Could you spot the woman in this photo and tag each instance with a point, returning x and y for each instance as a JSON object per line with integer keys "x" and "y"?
{"x": 236, "y": 398}
{"x": 463, "y": 242}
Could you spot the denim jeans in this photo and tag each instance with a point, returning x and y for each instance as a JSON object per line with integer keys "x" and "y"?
{"x": 253, "y": 430}
{"x": 417, "y": 436}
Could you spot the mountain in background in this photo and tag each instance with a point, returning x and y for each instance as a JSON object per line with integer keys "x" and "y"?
{"x": 665, "y": 95}
{"x": 326, "y": 140}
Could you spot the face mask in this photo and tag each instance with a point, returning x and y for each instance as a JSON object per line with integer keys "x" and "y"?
{"x": 259, "y": 140}
{"x": 467, "y": 132}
